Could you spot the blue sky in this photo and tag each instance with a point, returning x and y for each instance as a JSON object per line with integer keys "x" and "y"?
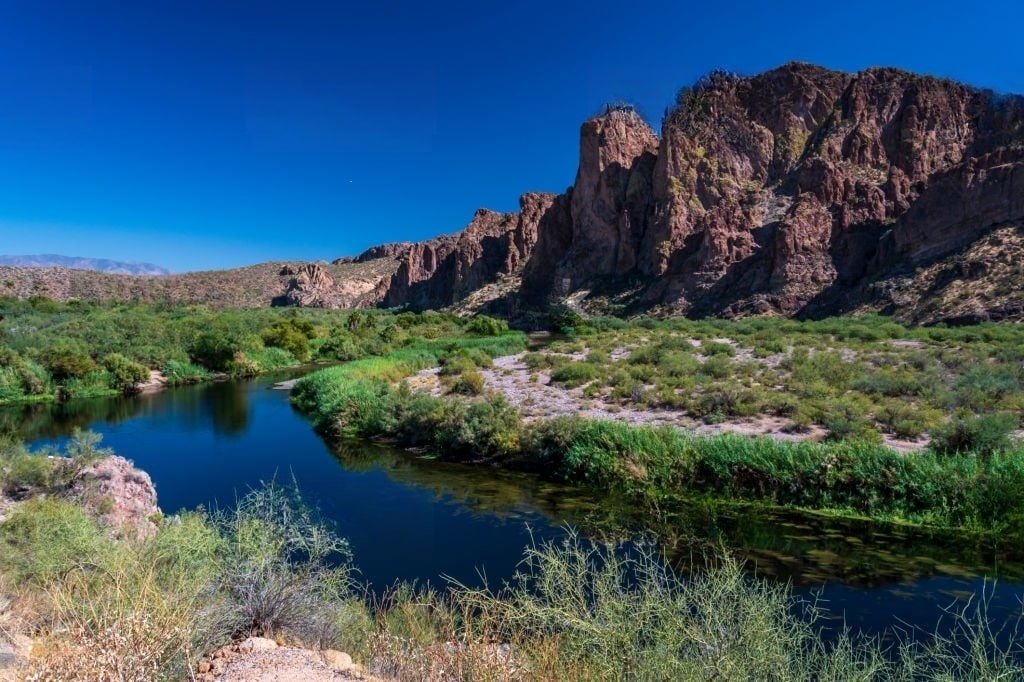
{"x": 210, "y": 134}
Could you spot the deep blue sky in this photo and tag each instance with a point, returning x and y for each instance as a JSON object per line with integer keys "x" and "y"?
{"x": 215, "y": 133}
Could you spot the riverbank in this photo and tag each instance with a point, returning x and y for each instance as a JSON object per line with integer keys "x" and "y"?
{"x": 980, "y": 491}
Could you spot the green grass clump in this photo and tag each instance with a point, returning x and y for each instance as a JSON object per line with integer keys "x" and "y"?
{"x": 45, "y": 539}
{"x": 180, "y": 373}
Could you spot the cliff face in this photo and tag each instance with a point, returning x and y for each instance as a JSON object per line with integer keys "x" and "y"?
{"x": 787, "y": 192}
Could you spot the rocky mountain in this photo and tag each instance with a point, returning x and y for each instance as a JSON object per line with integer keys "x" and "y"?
{"x": 800, "y": 191}
{"x": 50, "y": 260}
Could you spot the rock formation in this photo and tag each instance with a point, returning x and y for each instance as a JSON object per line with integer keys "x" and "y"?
{"x": 786, "y": 192}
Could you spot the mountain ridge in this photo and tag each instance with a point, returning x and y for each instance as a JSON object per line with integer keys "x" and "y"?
{"x": 53, "y": 260}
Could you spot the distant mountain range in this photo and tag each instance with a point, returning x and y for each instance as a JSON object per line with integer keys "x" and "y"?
{"x": 50, "y": 260}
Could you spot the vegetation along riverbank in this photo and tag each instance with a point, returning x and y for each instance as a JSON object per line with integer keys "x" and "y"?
{"x": 837, "y": 387}
{"x": 87, "y": 595}
{"x": 61, "y": 351}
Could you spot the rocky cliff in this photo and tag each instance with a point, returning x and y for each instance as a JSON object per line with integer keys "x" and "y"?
{"x": 801, "y": 191}
{"x": 790, "y": 192}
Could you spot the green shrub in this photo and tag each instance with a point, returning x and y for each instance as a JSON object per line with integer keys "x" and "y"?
{"x": 268, "y": 359}
{"x": 182, "y": 373}
{"x": 46, "y": 538}
{"x": 341, "y": 346}
{"x": 983, "y": 435}
{"x": 125, "y": 374}
{"x": 571, "y": 373}
{"x": 457, "y": 363}
{"x": 469, "y": 383}
{"x": 285, "y": 572}
{"x": 66, "y": 361}
{"x": 289, "y": 336}
{"x": 216, "y": 350}
{"x": 486, "y": 326}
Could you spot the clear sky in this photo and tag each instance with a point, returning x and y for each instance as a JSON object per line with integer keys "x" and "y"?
{"x": 212, "y": 133}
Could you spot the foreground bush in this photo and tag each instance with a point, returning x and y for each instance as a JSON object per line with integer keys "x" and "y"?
{"x": 577, "y": 611}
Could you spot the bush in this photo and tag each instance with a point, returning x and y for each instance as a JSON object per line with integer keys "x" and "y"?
{"x": 125, "y": 374}
{"x": 288, "y": 336}
{"x": 68, "y": 362}
{"x": 486, "y": 326}
{"x": 469, "y": 383}
{"x": 182, "y": 373}
{"x": 571, "y": 373}
{"x": 285, "y": 572}
{"x": 214, "y": 350}
{"x": 983, "y": 435}
{"x": 21, "y": 470}
{"x": 46, "y": 538}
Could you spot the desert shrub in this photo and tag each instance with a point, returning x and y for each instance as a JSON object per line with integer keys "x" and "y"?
{"x": 905, "y": 421}
{"x": 289, "y": 336}
{"x": 985, "y": 387}
{"x": 717, "y": 366}
{"x": 21, "y": 470}
{"x": 125, "y": 374}
{"x": 67, "y": 361}
{"x": 571, "y": 373}
{"x": 47, "y": 538}
{"x": 468, "y": 383}
{"x": 848, "y": 418}
{"x": 724, "y": 401}
{"x": 713, "y": 348}
{"x": 486, "y": 326}
{"x": 983, "y": 435}
{"x": 457, "y": 363}
{"x": 888, "y": 383}
{"x": 678, "y": 364}
{"x": 136, "y": 611}
{"x": 481, "y": 429}
{"x": 285, "y": 572}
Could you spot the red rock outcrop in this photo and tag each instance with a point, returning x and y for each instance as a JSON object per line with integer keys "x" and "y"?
{"x": 786, "y": 191}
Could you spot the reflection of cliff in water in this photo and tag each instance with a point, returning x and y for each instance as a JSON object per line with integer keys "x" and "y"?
{"x": 228, "y": 406}
{"x": 781, "y": 544}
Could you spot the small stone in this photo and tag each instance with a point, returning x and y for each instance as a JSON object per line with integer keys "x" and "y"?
{"x": 338, "y": 660}
{"x": 204, "y": 667}
{"x": 257, "y": 644}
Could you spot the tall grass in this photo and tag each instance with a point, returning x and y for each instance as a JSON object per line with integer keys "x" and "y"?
{"x": 578, "y": 611}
